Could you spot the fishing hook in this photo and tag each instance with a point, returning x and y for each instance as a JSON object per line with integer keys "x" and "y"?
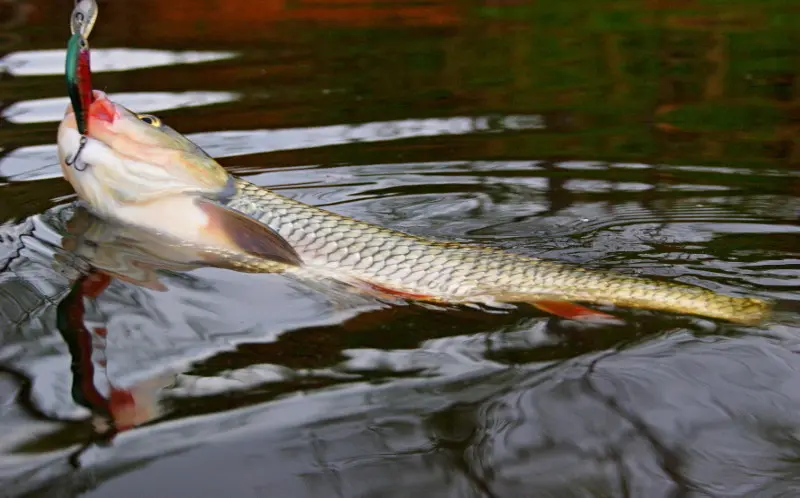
{"x": 74, "y": 160}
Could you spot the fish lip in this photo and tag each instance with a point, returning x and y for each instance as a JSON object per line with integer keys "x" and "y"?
{"x": 109, "y": 108}
{"x": 102, "y": 109}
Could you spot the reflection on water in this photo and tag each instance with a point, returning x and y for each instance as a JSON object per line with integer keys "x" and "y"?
{"x": 52, "y": 110}
{"x": 21, "y": 163}
{"x": 51, "y": 62}
{"x": 658, "y": 140}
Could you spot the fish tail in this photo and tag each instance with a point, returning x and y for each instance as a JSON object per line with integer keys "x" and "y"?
{"x": 642, "y": 294}
{"x": 743, "y": 310}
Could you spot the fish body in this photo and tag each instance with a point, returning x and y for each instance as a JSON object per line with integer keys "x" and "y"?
{"x": 146, "y": 174}
{"x": 419, "y": 268}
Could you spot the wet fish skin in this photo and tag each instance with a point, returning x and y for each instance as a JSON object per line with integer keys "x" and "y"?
{"x": 461, "y": 273}
{"x": 146, "y": 174}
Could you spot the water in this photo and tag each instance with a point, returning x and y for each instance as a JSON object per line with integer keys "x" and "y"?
{"x": 653, "y": 138}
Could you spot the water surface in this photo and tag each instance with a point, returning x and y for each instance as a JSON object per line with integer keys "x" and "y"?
{"x": 652, "y": 138}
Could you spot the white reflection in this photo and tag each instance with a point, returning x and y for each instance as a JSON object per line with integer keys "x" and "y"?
{"x": 52, "y": 109}
{"x": 36, "y": 162}
{"x": 40, "y": 162}
{"x": 51, "y": 62}
{"x": 234, "y": 143}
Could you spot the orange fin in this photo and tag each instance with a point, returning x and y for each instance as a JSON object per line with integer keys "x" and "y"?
{"x": 248, "y": 234}
{"x": 572, "y": 311}
{"x": 381, "y": 291}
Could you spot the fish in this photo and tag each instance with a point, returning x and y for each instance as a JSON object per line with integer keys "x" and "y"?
{"x": 144, "y": 173}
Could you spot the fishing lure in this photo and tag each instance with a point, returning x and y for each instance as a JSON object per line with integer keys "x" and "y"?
{"x": 84, "y": 15}
{"x": 79, "y": 79}
{"x": 78, "y": 68}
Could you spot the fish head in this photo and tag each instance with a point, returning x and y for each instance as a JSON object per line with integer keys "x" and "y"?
{"x": 128, "y": 158}
{"x": 135, "y": 169}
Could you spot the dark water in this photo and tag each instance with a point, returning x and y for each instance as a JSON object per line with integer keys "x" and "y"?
{"x": 653, "y": 137}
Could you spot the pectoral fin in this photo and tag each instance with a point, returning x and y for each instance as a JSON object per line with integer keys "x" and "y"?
{"x": 248, "y": 234}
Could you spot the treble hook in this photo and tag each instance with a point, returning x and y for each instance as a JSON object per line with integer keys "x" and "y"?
{"x": 73, "y": 161}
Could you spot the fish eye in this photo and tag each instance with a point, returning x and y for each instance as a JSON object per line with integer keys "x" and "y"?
{"x": 149, "y": 119}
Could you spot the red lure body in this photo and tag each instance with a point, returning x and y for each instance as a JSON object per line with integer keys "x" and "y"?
{"x": 79, "y": 80}
{"x": 85, "y": 81}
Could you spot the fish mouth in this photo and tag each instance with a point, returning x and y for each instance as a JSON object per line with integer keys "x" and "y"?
{"x": 102, "y": 110}
{"x": 131, "y": 159}
{"x": 140, "y": 174}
